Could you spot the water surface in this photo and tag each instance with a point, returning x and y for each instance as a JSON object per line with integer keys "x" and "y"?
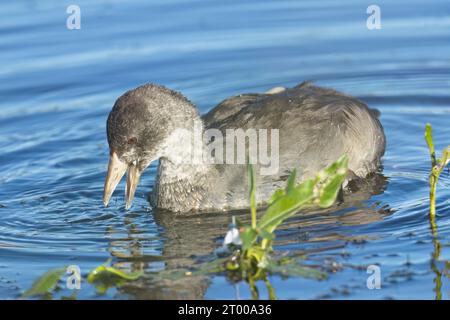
{"x": 58, "y": 86}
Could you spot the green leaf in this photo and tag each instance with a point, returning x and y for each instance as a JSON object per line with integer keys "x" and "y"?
{"x": 276, "y": 195}
{"x": 285, "y": 206}
{"x": 232, "y": 265}
{"x": 336, "y": 167}
{"x": 330, "y": 188}
{"x": 325, "y": 186}
{"x": 429, "y": 140}
{"x": 45, "y": 283}
{"x": 104, "y": 277}
{"x": 444, "y": 161}
{"x": 291, "y": 181}
{"x": 104, "y": 271}
{"x": 266, "y": 235}
{"x": 256, "y": 253}
{"x": 248, "y": 237}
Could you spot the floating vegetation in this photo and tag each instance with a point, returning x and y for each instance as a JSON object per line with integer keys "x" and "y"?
{"x": 45, "y": 284}
{"x": 437, "y": 166}
{"x": 251, "y": 261}
{"x": 103, "y": 277}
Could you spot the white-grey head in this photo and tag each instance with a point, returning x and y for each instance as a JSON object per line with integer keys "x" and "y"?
{"x": 139, "y": 129}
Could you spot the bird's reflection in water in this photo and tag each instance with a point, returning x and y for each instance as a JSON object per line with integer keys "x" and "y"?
{"x": 191, "y": 239}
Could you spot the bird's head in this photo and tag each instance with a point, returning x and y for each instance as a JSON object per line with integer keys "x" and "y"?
{"x": 138, "y": 130}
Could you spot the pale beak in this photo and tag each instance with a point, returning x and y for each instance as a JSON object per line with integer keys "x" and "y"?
{"x": 133, "y": 176}
{"x": 116, "y": 170}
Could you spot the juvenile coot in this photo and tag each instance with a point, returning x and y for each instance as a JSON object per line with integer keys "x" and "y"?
{"x": 315, "y": 126}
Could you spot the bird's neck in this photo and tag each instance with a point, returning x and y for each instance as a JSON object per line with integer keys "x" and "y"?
{"x": 181, "y": 181}
{"x": 180, "y": 188}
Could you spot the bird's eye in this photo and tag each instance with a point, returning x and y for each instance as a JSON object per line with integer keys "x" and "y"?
{"x": 132, "y": 140}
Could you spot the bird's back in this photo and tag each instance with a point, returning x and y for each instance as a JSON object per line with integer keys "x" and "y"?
{"x": 316, "y": 126}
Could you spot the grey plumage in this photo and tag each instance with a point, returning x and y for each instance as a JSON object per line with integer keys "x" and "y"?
{"x": 316, "y": 126}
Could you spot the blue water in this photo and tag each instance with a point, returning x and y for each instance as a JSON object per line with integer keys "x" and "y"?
{"x": 58, "y": 85}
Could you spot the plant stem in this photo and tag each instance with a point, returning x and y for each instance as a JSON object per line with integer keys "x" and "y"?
{"x": 252, "y": 188}
{"x": 437, "y": 166}
{"x": 436, "y": 170}
{"x": 254, "y": 218}
{"x": 433, "y": 185}
{"x": 270, "y": 290}
{"x": 264, "y": 244}
{"x": 253, "y": 289}
{"x": 435, "y": 258}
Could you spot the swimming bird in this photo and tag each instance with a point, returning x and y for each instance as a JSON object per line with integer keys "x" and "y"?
{"x": 314, "y": 126}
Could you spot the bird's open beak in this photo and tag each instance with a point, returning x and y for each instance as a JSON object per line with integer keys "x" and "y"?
{"x": 116, "y": 170}
{"x": 133, "y": 176}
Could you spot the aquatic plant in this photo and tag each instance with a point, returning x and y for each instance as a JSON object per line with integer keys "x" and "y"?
{"x": 45, "y": 284}
{"x": 437, "y": 166}
{"x": 252, "y": 259}
{"x": 248, "y": 254}
{"x": 102, "y": 277}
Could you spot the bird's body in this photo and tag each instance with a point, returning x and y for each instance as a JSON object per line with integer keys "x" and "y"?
{"x": 315, "y": 127}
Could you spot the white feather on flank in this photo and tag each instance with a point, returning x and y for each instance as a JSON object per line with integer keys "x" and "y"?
{"x": 275, "y": 90}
